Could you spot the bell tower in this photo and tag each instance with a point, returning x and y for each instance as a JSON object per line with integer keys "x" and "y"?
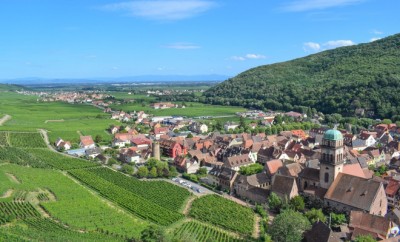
{"x": 331, "y": 161}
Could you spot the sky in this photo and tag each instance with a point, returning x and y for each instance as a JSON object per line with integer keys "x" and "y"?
{"x": 118, "y": 38}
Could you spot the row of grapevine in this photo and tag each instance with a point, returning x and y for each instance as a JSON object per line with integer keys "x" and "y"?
{"x": 18, "y": 210}
{"x": 223, "y": 212}
{"x": 4, "y": 139}
{"x": 26, "y": 140}
{"x": 139, "y": 206}
{"x": 160, "y": 192}
{"x": 59, "y": 161}
{"x": 197, "y": 232}
{"x": 42, "y": 229}
{"x": 20, "y": 157}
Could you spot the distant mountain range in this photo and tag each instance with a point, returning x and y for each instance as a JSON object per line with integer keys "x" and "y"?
{"x": 143, "y": 78}
{"x": 343, "y": 80}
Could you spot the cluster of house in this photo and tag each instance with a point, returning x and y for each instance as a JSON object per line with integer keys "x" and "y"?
{"x": 74, "y": 97}
{"x": 327, "y": 165}
{"x": 87, "y": 147}
{"x": 165, "y": 105}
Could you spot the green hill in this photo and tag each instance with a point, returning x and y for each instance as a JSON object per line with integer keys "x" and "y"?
{"x": 334, "y": 81}
{"x": 10, "y": 87}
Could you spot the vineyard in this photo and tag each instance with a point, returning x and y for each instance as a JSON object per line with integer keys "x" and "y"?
{"x": 20, "y": 157}
{"x": 69, "y": 202}
{"x": 160, "y": 192}
{"x": 4, "y": 139}
{"x": 223, "y": 212}
{"x": 139, "y": 206}
{"x": 16, "y": 210}
{"x": 26, "y": 140}
{"x": 197, "y": 232}
{"x": 60, "y": 161}
{"x": 41, "y": 229}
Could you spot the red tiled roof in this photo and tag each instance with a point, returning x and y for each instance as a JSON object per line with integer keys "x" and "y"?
{"x": 354, "y": 170}
{"x": 273, "y": 165}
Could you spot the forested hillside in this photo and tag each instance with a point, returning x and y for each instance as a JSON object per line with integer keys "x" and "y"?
{"x": 334, "y": 81}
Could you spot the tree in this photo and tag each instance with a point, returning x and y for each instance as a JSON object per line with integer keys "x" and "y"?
{"x": 386, "y": 121}
{"x": 98, "y": 139}
{"x": 202, "y": 171}
{"x": 172, "y": 171}
{"x": 315, "y": 215}
{"x": 218, "y": 125}
{"x": 112, "y": 161}
{"x": 190, "y": 135}
{"x": 364, "y": 238}
{"x": 337, "y": 219}
{"x": 289, "y": 225}
{"x": 297, "y": 203}
{"x": 152, "y": 234}
{"x": 274, "y": 202}
{"x": 242, "y": 123}
{"x": 142, "y": 172}
{"x": 153, "y": 172}
{"x": 128, "y": 169}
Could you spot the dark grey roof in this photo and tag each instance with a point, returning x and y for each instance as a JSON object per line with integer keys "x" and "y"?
{"x": 310, "y": 174}
{"x": 283, "y": 184}
{"x": 321, "y": 232}
{"x": 353, "y": 191}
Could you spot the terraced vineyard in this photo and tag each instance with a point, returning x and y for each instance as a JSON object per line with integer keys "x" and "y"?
{"x": 26, "y": 140}
{"x": 139, "y": 206}
{"x": 197, "y": 232}
{"x": 223, "y": 212}
{"x": 159, "y": 192}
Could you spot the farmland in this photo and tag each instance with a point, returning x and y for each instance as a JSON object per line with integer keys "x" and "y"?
{"x": 224, "y": 213}
{"x": 29, "y": 115}
{"x": 197, "y": 232}
{"x": 74, "y": 205}
{"x": 138, "y": 205}
{"x": 192, "y": 109}
{"x": 160, "y": 192}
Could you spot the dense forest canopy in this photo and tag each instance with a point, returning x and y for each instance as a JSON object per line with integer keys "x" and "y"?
{"x": 334, "y": 81}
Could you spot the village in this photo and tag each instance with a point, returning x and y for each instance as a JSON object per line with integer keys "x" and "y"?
{"x": 333, "y": 169}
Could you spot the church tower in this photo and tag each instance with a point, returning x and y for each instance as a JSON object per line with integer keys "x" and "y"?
{"x": 331, "y": 162}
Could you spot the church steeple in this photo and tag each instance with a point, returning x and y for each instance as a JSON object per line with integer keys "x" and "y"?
{"x": 332, "y": 157}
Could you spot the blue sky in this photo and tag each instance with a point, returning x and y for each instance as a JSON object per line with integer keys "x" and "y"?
{"x": 105, "y": 38}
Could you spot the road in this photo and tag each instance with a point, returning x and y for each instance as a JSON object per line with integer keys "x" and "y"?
{"x": 4, "y": 119}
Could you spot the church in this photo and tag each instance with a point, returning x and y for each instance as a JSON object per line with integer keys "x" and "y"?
{"x": 341, "y": 191}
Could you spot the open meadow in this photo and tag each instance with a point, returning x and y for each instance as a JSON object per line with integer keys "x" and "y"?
{"x": 60, "y": 119}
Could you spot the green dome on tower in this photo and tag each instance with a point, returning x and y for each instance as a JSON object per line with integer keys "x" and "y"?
{"x": 333, "y": 134}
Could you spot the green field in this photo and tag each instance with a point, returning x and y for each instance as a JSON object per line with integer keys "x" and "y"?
{"x": 222, "y": 212}
{"x": 198, "y": 232}
{"x": 191, "y": 110}
{"x": 29, "y": 115}
{"x": 71, "y": 203}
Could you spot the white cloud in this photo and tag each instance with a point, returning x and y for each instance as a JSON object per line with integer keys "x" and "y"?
{"x": 248, "y": 57}
{"x": 332, "y": 44}
{"x": 182, "y": 46}
{"x": 255, "y": 56}
{"x": 238, "y": 58}
{"x": 311, "y": 47}
{"x": 374, "y": 39}
{"x": 338, "y": 43}
{"x": 162, "y": 9}
{"x": 375, "y": 31}
{"x": 307, "y": 5}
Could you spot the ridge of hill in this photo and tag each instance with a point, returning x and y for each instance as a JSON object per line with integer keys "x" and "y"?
{"x": 333, "y": 81}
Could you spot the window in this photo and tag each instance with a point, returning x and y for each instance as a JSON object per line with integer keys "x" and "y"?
{"x": 326, "y": 177}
